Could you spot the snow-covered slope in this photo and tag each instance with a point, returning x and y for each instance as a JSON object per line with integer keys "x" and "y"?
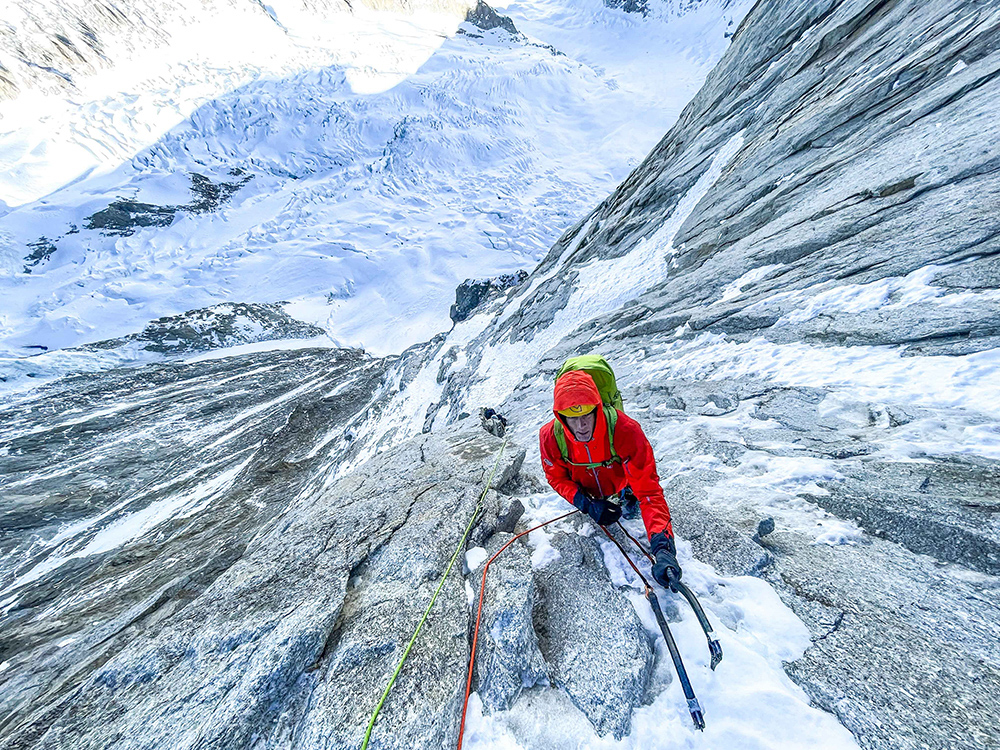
{"x": 402, "y": 159}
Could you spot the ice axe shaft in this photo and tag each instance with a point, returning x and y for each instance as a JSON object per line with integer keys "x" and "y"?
{"x": 714, "y": 647}
{"x": 697, "y": 714}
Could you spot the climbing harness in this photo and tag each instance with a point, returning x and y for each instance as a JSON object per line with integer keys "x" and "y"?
{"x": 714, "y": 647}
{"x": 479, "y": 615}
{"x": 694, "y": 707}
{"x": 413, "y": 639}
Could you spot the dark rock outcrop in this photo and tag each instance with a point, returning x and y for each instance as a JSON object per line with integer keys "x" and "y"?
{"x": 41, "y": 250}
{"x": 225, "y": 325}
{"x": 472, "y": 294}
{"x": 125, "y": 216}
{"x": 485, "y": 18}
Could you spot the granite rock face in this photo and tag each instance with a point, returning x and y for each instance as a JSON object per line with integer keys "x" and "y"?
{"x": 128, "y": 494}
{"x": 593, "y": 641}
{"x": 829, "y": 195}
{"x": 508, "y": 659}
{"x": 831, "y": 192}
{"x": 292, "y": 642}
{"x": 208, "y": 544}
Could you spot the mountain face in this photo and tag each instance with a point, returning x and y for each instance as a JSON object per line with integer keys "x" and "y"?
{"x": 798, "y": 289}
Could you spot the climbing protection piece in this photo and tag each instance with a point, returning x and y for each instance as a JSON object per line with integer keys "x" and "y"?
{"x": 458, "y": 550}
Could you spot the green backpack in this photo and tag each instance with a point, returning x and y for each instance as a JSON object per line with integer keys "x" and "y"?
{"x": 611, "y": 400}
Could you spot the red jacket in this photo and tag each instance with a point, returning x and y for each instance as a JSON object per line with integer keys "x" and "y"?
{"x": 637, "y": 469}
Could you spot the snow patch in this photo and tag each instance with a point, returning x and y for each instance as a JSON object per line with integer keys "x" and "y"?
{"x": 474, "y": 557}
{"x": 735, "y": 289}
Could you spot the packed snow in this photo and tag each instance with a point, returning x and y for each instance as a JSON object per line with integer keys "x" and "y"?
{"x": 749, "y": 701}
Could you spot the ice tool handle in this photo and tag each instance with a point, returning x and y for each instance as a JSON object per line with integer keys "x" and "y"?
{"x": 697, "y": 714}
{"x": 714, "y": 647}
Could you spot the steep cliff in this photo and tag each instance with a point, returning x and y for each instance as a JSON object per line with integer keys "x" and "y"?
{"x": 799, "y": 291}
{"x": 799, "y": 287}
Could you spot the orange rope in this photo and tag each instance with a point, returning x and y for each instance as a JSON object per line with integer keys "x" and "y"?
{"x": 649, "y": 555}
{"x": 479, "y": 614}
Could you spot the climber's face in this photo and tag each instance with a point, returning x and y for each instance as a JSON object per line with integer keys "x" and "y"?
{"x": 582, "y": 427}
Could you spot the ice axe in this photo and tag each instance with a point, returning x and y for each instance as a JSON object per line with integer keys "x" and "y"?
{"x": 714, "y": 647}
{"x": 694, "y": 707}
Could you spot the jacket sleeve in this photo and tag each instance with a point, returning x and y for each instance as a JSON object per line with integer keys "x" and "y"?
{"x": 556, "y": 470}
{"x": 640, "y": 469}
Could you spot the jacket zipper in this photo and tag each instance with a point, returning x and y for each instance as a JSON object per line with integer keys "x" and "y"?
{"x": 594, "y": 471}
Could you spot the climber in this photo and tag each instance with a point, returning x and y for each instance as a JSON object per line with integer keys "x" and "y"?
{"x": 599, "y": 463}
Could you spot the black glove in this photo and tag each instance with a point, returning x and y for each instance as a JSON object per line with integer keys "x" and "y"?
{"x": 666, "y": 569}
{"x": 630, "y": 504}
{"x": 603, "y": 512}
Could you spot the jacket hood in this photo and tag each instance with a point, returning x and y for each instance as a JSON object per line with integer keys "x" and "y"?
{"x": 573, "y": 389}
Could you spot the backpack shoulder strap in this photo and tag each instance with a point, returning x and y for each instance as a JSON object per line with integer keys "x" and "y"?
{"x": 611, "y": 417}
{"x": 559, "y": 432}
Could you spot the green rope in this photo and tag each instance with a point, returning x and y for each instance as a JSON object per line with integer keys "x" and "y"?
{"x": 461, "y": 544}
